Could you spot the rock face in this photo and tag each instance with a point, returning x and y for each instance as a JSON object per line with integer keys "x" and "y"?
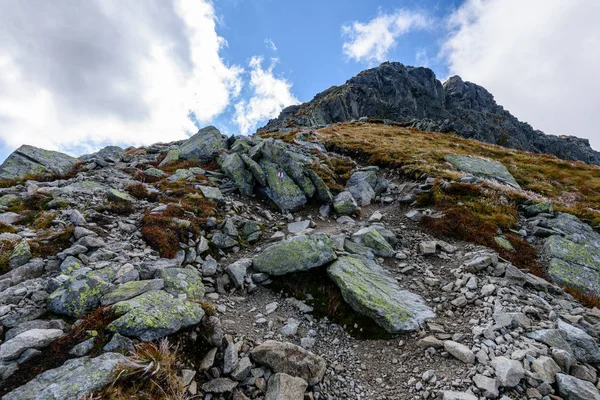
{"x": 29, "y": 160}
{"x": 73, "y": 380}
{"x": 483, "y": 169}
{"x": 574, "y": 259}
{"x": 413, "y": 94}
{"x": 290, "y": 359}
{"x": 371, "y": 290}
{"x": 203, "y": 145}
{"x": 299, "y": 253}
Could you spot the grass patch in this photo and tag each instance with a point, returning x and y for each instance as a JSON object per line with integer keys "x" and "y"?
{"x": 7, "y": 228}
{"x": 140, "y": 191}
{"x": 6, "y": 248}
{"x": 51, "y": 242}
{"x": 150, "y": 372}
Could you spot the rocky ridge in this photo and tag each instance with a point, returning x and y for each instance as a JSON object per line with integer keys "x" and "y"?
{"x": 451, "y": 320}
{"x": 413, "y": 96}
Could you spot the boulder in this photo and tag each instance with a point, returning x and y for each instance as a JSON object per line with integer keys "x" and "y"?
{"x": 172, "y": 155}
{"x": 75, "y": 379}
{"x": 459, "y": 351}
{"x": 20, "y": 255}
{"x": 235, "y": 169}
{"x": 79, "y": 295}
{"x": 290, "y": 359}
{"x": 362, "y": 186}
{"x": 323, "y": 192}
{"x": 178, "y": 281}
{"x": 153, "y": 315}
{"x": 119, "y": 197}
{"x": 572, "y": 388}
{"x": 298, "y": 253}
{"x": 344, "y": 203}
{"x": 509, "y": 372}
{"x": 203, "y": 146}
{"x": 255, "y": 169}
{"x": 283, "y": 191}
{"x": 285, "y": 387}
{"x": 585, "y": 349}
{"x": 374, "y": 240}
{"x": 130, "y": 290}
{"x": 212, "y": 193}
{"x": 237, "y": 271}
{"x": 539, "y": 208}
{"x": 372, "y": 291}
{"x": 483, "y": 168}
{"x": 31, "y": 339}
{"x": 29, "y": 160}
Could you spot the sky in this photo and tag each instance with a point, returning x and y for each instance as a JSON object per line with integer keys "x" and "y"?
{"x": 78, "y": 75}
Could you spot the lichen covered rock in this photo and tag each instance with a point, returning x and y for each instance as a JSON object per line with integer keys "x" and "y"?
{"x": 185, "y": 281}
{"x": 483, "y": 168}
{"x": 372, "y": 291}
{"x": 235, "y": 169}
{"x": 29, "y": 160}
{"x": 153, "y": 315}
{"x": 282, "y": 190}
{"x": 203, "y": 146}
{"x": 344, "y": 203}
{"x": 299, "y": 253}
{"x": 79, "y": 295}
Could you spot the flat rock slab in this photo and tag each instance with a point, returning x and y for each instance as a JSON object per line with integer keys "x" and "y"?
{"x": 290, "y": 359}
{"x": 372, "y": 291}
{"x": 130, "y": 290}
{"x": 74, "y": 380}
{"x": 212, "y": 193}
{"x": 178, "y": 281}
{"x": 573, "y": 388}
{"x": 29, "y": 160}
{"x": 483, "y": 169}
{"x": 153, "y": 315}
{"x": 299, "y": 253}
{"x": 31, "y": 339}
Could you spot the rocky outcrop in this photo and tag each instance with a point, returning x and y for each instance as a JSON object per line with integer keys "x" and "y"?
{"x": 29, "y": 160}
{"x": 483, "y": 169}
{"x": 413, "y": 95}
{"x": 203, "y": 146}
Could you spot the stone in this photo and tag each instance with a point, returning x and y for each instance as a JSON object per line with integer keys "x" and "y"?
{"x": 454, "y": 395}
{"x": 83, "y": 348}
{"x": 119, "y": 197}
{"x": 203, "y": 146}
{"x": 242, "y": 369}
{"x": 539, "y": 208}
{"x": 322, "y": 191}
{"x": 298, "y": 253}
{"x": 172, "y": 155}
{"x": 212, "y": 193}
{"x": 509, "y": 372}
{"x": 130, "y": 290}
{"x": 285, "y": 387}
{"x": 372, "y": 291}
{"x": 75, "y": 379}
{"x": 290, "y": 359}
{"x": 585, "y": 349}
{"x": 362, "y": 186}
{"x": 153, "y": 315}
{"x": 237, "y": 271}
{"x": 77, "y": 219}
{"x": 119, "y": 343}
{"x": 222, "y": 241}
{"x": 284, "y": 192}
{"x": 572, "y": 388}
{"x": 255, "y": 169}
{"x": 20, "y": 255}
{"x": 234, "y": 167}
{"x": 459, "y": 351}
{"x": 298, "y": 227}
{"x": 155, "y": 173}
{"x": 546, "y": 367}
{"x": 483, "y": 168}
{"x": 178, "y": 281}
{"x": 488, "y": 386}
{"x": 427, "y": 247}
{"x": 29, "y": 160}
{"x": 375, "y": 241}
{"x": 79, "y": 295}
{"x": 9, "y": 218}
{"x": 344, "y": 203}
{"x": 430, "y": 341}
{"x": 33, "y": 338}
{"x": 230, "y": 355}
{"x": 219, "y": 385}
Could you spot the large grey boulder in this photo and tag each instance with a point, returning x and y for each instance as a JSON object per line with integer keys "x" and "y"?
{"x": 282, "y": 191}
{"x": 31, "y": 339}
{"x": 574, "y": 259}
{"x": 75, "y": 379}
{"x": 129, "y": 290}
{"x": 203, "y": 146}
{"x": 572, "y": 388}
{"x": 79, "y": 295}
{"x": 153, "y": 315}
{"x": 584, "y": 347}
{"x": 483, "y": 168}
{"x": 29, "y": 160}
{"x": 235, "y": 168}
{"x": 182, "y": 281}
{"x": 299, "y": 253}
{"x": 372, "y": 291}
{"x": 290, "y": 359}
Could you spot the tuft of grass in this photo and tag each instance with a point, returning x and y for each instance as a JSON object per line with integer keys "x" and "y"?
{"x": 44, "y": 220}
{"x": 7, "y": 228}
{"x": 173, "y": 166}
{"x": 149, "y": 372}
{"x": 140, "y": 191}
{"x": 51, "y": 242}
{"x": 6, "y": 248}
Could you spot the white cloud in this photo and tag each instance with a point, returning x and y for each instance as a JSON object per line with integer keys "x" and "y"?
{"x": 539, "y": 58}
{"x": 109, "y": 72}
{"x": 269, "y": 96}
{"x": 270, "y": 44}
{"x": 371, "y": 41}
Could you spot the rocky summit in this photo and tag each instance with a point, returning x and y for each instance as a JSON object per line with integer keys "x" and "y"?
{"x": 306, "y": 264}
{"x": 413, "y": 96}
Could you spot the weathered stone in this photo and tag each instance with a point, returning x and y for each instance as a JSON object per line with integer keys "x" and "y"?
{"x": 20, "y": 254}
{"x": 509, "y": 372}
{"x": 203, "y": 146}
{"x": 483, "y": 169}
{"x": 572, "y": 388}
{"x": 172, "y": 155}
{"x": 546, "y": 368}
{"x": 584, "y": 347}
{"x": 153, "y": 315}
{"x": 285, "y": 387}
{"x": 489, "y": 386}
{"x": 130, "y": 290}
{"x": 235, "y": 169}
{"x": 539, "y": 208}
{"x": 75, "y": 379}
{"x": 219, "y": 385}
{"x": 155, "y": 173}
{"x": 344, "y": 203}
{"x": 34, "y": 338}
{"x": 29, "y": 160}
{"x": 298, "y": 253}
{"x": 242, "y": 369}
{"x": 255, "y": 169}
{"x": 212, "y": 193}
{"x": 79, "y": 295}
{"x": 459, "y": 351}
{"x": 83, "y": 348}
{"x": 178, "y": 281}
{"x": 222, "y": 241}
{"x": 372, "y": 291}
{"x": 371, "y": 238}
{"x": 119, "y": 343}
{"x": 290, "y": 359}
{"x": 454, "y": 395}
{"x": 237, "y": 271}
{"x": 283, "y": 191}
{"x": 118, "y": 196}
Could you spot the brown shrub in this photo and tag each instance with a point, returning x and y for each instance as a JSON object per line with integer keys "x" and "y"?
{"x": 140, "y": 191}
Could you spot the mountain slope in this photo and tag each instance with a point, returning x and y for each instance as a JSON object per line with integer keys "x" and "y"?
{"x": 413, "y": 94}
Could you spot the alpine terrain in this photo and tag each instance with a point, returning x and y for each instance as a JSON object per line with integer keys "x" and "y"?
{"x": 394, "y": 238}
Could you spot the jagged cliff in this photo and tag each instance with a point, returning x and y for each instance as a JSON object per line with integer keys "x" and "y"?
{"x": 413, "y": 94}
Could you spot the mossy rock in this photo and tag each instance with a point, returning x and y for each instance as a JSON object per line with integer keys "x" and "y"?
{"x": 372, "y": 291}
{"x": 185, "y": 281}
{"x": 79, "y": 295}
{"x": 377, "y": 243}
{"x": 323, "y": 192}
{"x": 117, "y": 196}
{"x": 30, "y": 161}
{"x": 20, "y": 255}
{"x": 181, "y": 175}
{"x": 130, "y": 290}
{"x": 299, "y": 253}
{"x": 282, "y": 191}
{"x": 235, "y": 168}
{"x": 255, "y": 169}
{"x": 155, "y": 173}
{"x": 172, "y": 155}
{"x": 344, "y": 203}
{"x": 203, "y": 146}
{"x": 9, "y": 200}
{"x": 539, "y": 208}
{"x": 504, "y": 243}
{"x": 153, "y": 315}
